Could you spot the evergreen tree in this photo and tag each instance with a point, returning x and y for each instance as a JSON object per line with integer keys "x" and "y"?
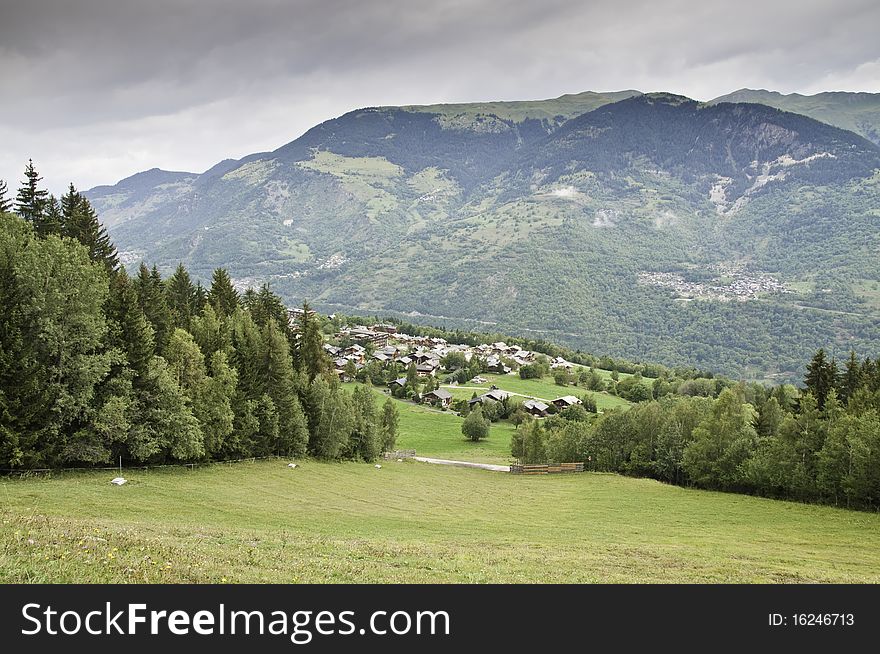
{"x": 280, "y": 385}
{"x": 211, "y": 333}
{"x": 265, "y": 306}
{"x": 820, "y": 377}
{"x": 222, "y": 297}
{"x": 151, "y": 298}
{"x": 129, "y": 330}
{"x": 30, "y": 203}
{"x": 182, "y": 297}
{"x": 5, "y": 203}
{"x": 851, "y": 380}
{"x": 80, "y": 222}
{"x": 308, "y": 352}
{"x": 51, "y": 221}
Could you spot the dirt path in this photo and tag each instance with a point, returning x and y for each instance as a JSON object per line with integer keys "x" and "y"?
{"x": 463, "y": 464}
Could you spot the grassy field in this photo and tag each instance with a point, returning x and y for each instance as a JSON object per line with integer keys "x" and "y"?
{"x": 435, "y": 433}
{"x": 545, "y": 389}
{"x": 414, "y": 522}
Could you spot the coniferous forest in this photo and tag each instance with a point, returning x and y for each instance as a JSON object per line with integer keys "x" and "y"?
{"x": 97, "y": 363}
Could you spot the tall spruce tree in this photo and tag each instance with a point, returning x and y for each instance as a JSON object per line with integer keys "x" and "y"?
{"x": 820, "y": 377}
{"x": 280, "y": 385}
{"x": 182, "y": 297}
{"x": 222, "y": 296}
{"x": 80, "y": 222}
{"x": 5, "y": 203}
{"x": 151, "y": 298}
{"x": 851, "y": 379}
{"x": 51, "y": 221}
{"x": 308, "y": 355}
{"x": 129, "y": 330}
{"x": 31, "y": 199}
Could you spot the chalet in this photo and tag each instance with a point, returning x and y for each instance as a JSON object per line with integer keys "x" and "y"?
{"x": 566, "y": 401}
{"x": 422, "y": 357}
{"x": 365, "y": 335}
{"x": 535, "y": 408}
{"x": 491, "y": 396}
{"x": 380, "y": 357}
{"x": 404, "y": 361}
{"x": 428, "y": 369}
{"x": 332, "y": 350}
{"x": 398, "y": 383}
{"x": 385, "y": 327}
{"x": 440, "y": 397}
{"x": 559, "y": 362}
{"x": 494, "y": 364}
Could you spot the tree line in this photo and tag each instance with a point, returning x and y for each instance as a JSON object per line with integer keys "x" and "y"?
{"x": 818, "y": 445}
{"x": 96, "y": 364}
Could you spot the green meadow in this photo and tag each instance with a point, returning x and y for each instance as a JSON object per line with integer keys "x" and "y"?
{"x": 414, "y": 522}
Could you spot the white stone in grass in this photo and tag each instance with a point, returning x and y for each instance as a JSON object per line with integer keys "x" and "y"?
{"x": 378, "y": 467}
{"x": 291, "y": 465}
{"x": 400, "y": 460}
{"x": 118, "y": 481}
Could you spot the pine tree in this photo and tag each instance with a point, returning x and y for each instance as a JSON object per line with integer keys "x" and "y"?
{"x": 222, "y": 297}
{"x": 851, "y": 380}
{"x": 280, "y": 384}
{"x": 181, "y": 295}
{"x": 265, "y": 306}
{"x": 211, "y": 333}
{"x": 129, "y": 330}
{"x": 31, "y": 200}
{"x": 308, "y": 353}
{"x": 819, "y": 379}
{"x": 80, "y": 222}
{"x": 151, "y": 298}
{"x": 5, "y": 203}
{"x": 51, "y": 221}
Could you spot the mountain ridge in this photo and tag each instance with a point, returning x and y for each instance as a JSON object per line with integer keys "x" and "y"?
{"x": 624, "y": 230}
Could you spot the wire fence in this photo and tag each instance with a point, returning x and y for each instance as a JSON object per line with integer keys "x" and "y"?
{"x": 23, "y": 472}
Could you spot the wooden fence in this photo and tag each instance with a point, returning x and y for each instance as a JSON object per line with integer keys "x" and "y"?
{"x": 545, "y": 468}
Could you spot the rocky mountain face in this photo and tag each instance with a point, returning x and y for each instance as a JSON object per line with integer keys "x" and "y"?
{"x": 735, "y": 237}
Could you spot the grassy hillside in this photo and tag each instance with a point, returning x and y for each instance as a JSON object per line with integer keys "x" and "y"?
{"x": 857, "y": 112}
{"x": 411, "y": 522}
{"x": 552, "y": 112}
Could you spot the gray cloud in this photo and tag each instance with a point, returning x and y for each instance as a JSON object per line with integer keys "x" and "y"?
{"x": 95, "y": 90}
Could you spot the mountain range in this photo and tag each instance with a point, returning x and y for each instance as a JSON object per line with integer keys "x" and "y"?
{"x": 731, "y": 235}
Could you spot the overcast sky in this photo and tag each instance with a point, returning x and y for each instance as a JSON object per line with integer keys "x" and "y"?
{"x": 96, "y": 90}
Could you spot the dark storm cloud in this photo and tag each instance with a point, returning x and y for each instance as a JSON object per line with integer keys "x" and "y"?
{"x": 97, "y": 89}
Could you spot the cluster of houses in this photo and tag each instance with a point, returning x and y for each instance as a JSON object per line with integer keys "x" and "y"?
{"x": 386, "y": 346}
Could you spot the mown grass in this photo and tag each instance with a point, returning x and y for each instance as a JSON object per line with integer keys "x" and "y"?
{"x": 435, "y": 433}
{"x": 545, "y": 389}
{"x": 413, "y": 522}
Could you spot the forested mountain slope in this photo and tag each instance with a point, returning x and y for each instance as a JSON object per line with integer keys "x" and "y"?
{"x": 735, "y": 237}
